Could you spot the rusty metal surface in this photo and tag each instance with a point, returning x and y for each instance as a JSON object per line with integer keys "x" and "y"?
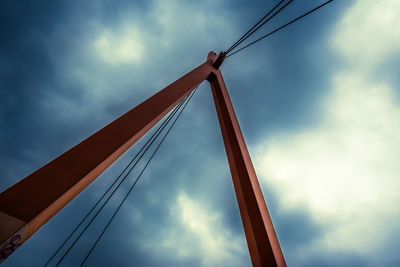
{"x": 38, "y": 197}
{"x": 261, "y": 238}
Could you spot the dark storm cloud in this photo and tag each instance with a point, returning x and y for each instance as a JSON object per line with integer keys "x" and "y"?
{"x": 286, "y": 75}
{"x": 46, "y": 107}
{"x": 38, "y": 41}
{"x": 26, "y": 72}
{"x": 29, "y": 72}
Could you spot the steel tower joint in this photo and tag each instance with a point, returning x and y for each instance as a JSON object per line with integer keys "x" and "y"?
{"x": 216, "y": 60}
{"x": 30, "y": 203}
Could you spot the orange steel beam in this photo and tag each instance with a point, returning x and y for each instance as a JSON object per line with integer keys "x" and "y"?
{"x": 261, "y": 238}
{"x": 30, "y": 203}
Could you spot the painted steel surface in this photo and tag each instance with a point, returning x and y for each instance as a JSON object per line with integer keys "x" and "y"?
{"x": 261, "y": 238}
{"x": 30, "y": 203}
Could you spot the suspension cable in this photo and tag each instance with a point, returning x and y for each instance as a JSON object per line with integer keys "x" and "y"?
{"x": 155, "y": 135}
{"x": 280, "y": 28}
{"x": 137, "y": 179}
{"x": 113, "y": 192}
{"x": 148, "y": 143}
{"x": 114, "y": 182}
{"x": 249, "y": 32}
{"x": 273, "y": 15}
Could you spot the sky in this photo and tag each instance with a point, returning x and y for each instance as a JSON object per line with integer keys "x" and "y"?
{"x": 318, "y": 104}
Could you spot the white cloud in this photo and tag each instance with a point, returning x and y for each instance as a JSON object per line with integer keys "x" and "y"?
{"x": 120, "y": 47}
{"x": 369, "y": 32}
{"x": 198, "y": 233}
{"x": 346, "y": 169}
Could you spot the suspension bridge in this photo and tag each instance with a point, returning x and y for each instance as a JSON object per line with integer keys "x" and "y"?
{"x": 30, "y": 203}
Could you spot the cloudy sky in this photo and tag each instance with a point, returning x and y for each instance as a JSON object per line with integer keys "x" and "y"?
{"x": 318, "y": 103}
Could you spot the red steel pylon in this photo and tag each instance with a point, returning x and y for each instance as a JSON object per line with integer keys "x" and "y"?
{"x": 30, "y": 203}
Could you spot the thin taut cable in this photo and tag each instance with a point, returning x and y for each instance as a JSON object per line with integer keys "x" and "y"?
{"x": 280, "y": 28}
{"x": 137, "y": 179}
{"x": 109, "y": 188}
{"x": 262, "y": 24}
{"x": 248, "y": 33}
{"x": 115, "y": 189}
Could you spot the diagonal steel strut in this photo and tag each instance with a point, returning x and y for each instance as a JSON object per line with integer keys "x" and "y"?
{"x": 261, "y": 238}
{"x": 30, "y": 203}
